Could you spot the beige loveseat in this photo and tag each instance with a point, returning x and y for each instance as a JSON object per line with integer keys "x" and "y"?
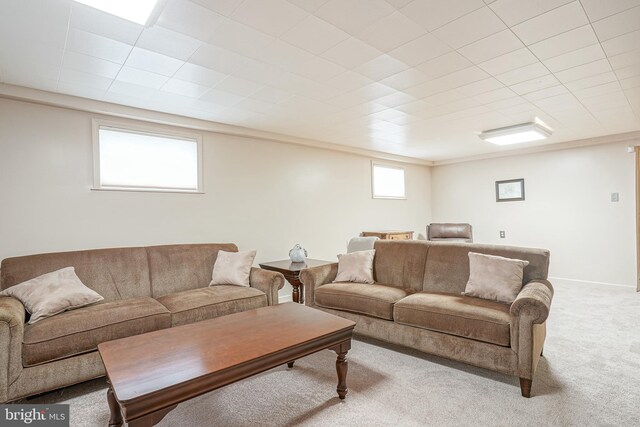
{"x": 417, "y": 302}
{"x": 144, "y": 289}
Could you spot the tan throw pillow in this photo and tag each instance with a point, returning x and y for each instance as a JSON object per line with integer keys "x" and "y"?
{"x": 232, "y": 268}
{"x": 52, "y": 293}
{"x": 356, "y": 267}
{"x": 494, "y": 277}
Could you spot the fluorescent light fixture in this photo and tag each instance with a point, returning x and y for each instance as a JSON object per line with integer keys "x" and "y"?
{"x": 526, "y": 132}
{"x": 137, "y": 11}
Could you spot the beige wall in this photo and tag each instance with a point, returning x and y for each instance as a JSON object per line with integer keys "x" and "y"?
{"x": 259, "y": 194}
{"x": 568, "y": 207}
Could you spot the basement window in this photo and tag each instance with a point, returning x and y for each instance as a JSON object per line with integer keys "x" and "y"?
{"x": 133, "y": 158}
{"x": 387, "y": 181}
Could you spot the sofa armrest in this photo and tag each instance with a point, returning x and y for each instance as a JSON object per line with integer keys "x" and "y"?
{"x": 535, "y": 300}
{"x": 268, "y": 282}
{"x": 312, "y": 278}
{"x": 11, "y": 334}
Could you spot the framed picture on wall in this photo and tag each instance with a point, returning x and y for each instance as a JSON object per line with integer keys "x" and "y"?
{"x": 510, "y": 190}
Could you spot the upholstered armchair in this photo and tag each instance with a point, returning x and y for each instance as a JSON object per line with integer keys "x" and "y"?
{"x": 450, "y": 232}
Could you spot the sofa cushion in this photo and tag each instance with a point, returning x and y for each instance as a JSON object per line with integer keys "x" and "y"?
{"x": 400, "y": 262}
{"x": 200, "y": 304}
{"x": 80, "y": 331}
{"x": 459, "y": 315}
{"x": 371, "y": 299}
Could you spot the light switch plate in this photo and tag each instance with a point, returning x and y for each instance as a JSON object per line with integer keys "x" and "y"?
{"x": 615, "y": 197}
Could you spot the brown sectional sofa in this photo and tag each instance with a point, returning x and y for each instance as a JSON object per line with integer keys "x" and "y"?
{"x": 144, "y": 289}
{"x": 417, "y": 302}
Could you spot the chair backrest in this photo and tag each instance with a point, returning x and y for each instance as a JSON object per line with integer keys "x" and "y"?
{"x": 450, "y": 232}
{"x": 361, "y": 244}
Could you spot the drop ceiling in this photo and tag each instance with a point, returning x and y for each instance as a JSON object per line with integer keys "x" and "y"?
{"x": 414, "y": 78}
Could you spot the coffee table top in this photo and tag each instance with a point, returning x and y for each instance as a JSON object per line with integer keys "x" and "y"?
{"x": 160, "y": 360}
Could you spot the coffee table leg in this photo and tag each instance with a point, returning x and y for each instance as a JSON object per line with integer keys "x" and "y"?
{"x": 342, "y": 367}
{"x": 290, "y": 364}
{"x": 115, "y": 420}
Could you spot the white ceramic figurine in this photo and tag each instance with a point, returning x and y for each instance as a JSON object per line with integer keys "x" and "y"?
{"x": 297, "y": 253}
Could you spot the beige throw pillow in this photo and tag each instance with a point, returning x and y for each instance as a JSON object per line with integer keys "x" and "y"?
{"x": 52, "y": 293}
{"x": 356, "y": 267}
{"x": 494, "y": 277}
{"x": 232, "y": 268}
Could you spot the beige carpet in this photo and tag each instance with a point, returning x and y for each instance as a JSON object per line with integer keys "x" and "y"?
{"x": 590, "y": 375}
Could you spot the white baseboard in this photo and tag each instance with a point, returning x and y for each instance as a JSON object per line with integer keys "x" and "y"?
{"x": 619, "y": 285}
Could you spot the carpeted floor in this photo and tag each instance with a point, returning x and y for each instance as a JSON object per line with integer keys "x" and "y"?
{"x": 590, "y": 375}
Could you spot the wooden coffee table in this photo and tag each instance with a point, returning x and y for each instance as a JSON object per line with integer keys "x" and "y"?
{"x": 150, "y": 374}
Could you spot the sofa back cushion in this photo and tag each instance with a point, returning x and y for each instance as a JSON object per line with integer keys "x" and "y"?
{"x": 119, "y": 273}
{"x": 400, "y": 263}
{"x": 447, "y": 266}
{"x": 176, "y": 268}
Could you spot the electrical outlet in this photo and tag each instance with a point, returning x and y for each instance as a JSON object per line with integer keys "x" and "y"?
{"x": 615, "y": 197}
{"x": 502, "y": 234}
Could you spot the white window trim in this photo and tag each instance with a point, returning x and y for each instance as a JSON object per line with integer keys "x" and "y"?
{"x": 390, "y": 166}
{"x": 96, "y": 124}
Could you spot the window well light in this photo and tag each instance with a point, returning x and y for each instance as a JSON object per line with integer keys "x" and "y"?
{"x": 137, "y": 11}
{"x": 525, "y": 132}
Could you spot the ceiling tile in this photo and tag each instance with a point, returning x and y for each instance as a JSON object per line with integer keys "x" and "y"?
{"x": 625, "y": 59}
{"x": 221, "y": 97}
{"x": 522, "y": 74}
{"x": 575, "y": 58}
{"x": 133, "y": 92}
{"x": 217, "y": 59}
{"x": 190, "y": 19}
{"x": 565, "y": 42}
{"x": 405, "y": 79}
{"x": 351, "y": 53}
{"x": 141, "y": 78}
{"x": 223, "y": 7}
{"x": 535, "y": 84}
{"x": 490, "y": 47}
{"x": 98, "y": 46}
{"x": 80, "y": 78}
{"x": 314, "y": 35}
{"x": 598, "y": 9}
{"x": 167, "y": 42}
{"x": 373, "y": 91}
{"x": 513, "y": 12}
{"x": 274, "y": 17}
{"x": 348, "y": 81}
{"x": 353, "y": 16}
{"x": 549, "y": 24}
{"x": 596, "y": 80}
{"x": 618, "y": 24}
{"x": 420, "y": 50}
{"x": 90, "y": 64}
{"x": 627, "y": 72}
{"x": 381, "y": 67}
{"x": 184, "y": 88}
{"x": 200, "y": 75}
{"x": 240, "y": 38}
{"x": 270, "y": 95}
{"x": 390, "y": 32}
{"x": 309, "y": 5}
{"x": 398, "y": 4}
{"x": 470, "y": 28}
{"x": 597, "y": 90}
{"x": 238, "y": 86}
{"x": 81, "y": 91}
{"x": 259, "y": 72}
{"x": 432, "y": 14}
{"x": 546, "y": 93}
{"x": 92, "y": 20}
{"x": 494, "y": 95}
{"x": 317, "y": 69}
{"x": 621, "y": 44}
{"x": 443, "y": 65}
{"x": 582, "y": 71}
{"x": 630, "y": 83}
{"x": 150, "y": 61}
{"x": 481, "y": 86}
{"x": 395, "y": 99}
{"x": 510, "y": 61}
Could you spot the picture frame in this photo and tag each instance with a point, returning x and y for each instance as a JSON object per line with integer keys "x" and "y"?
{"x": 510, "y": 190}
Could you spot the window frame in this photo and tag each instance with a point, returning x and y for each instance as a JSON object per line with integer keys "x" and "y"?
{"x": 142, "y": 129}
{"x": 375, "y": 163}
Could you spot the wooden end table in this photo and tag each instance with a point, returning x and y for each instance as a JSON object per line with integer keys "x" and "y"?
{"x": 291, "y": 272}
{"x": 389, "y": 234}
